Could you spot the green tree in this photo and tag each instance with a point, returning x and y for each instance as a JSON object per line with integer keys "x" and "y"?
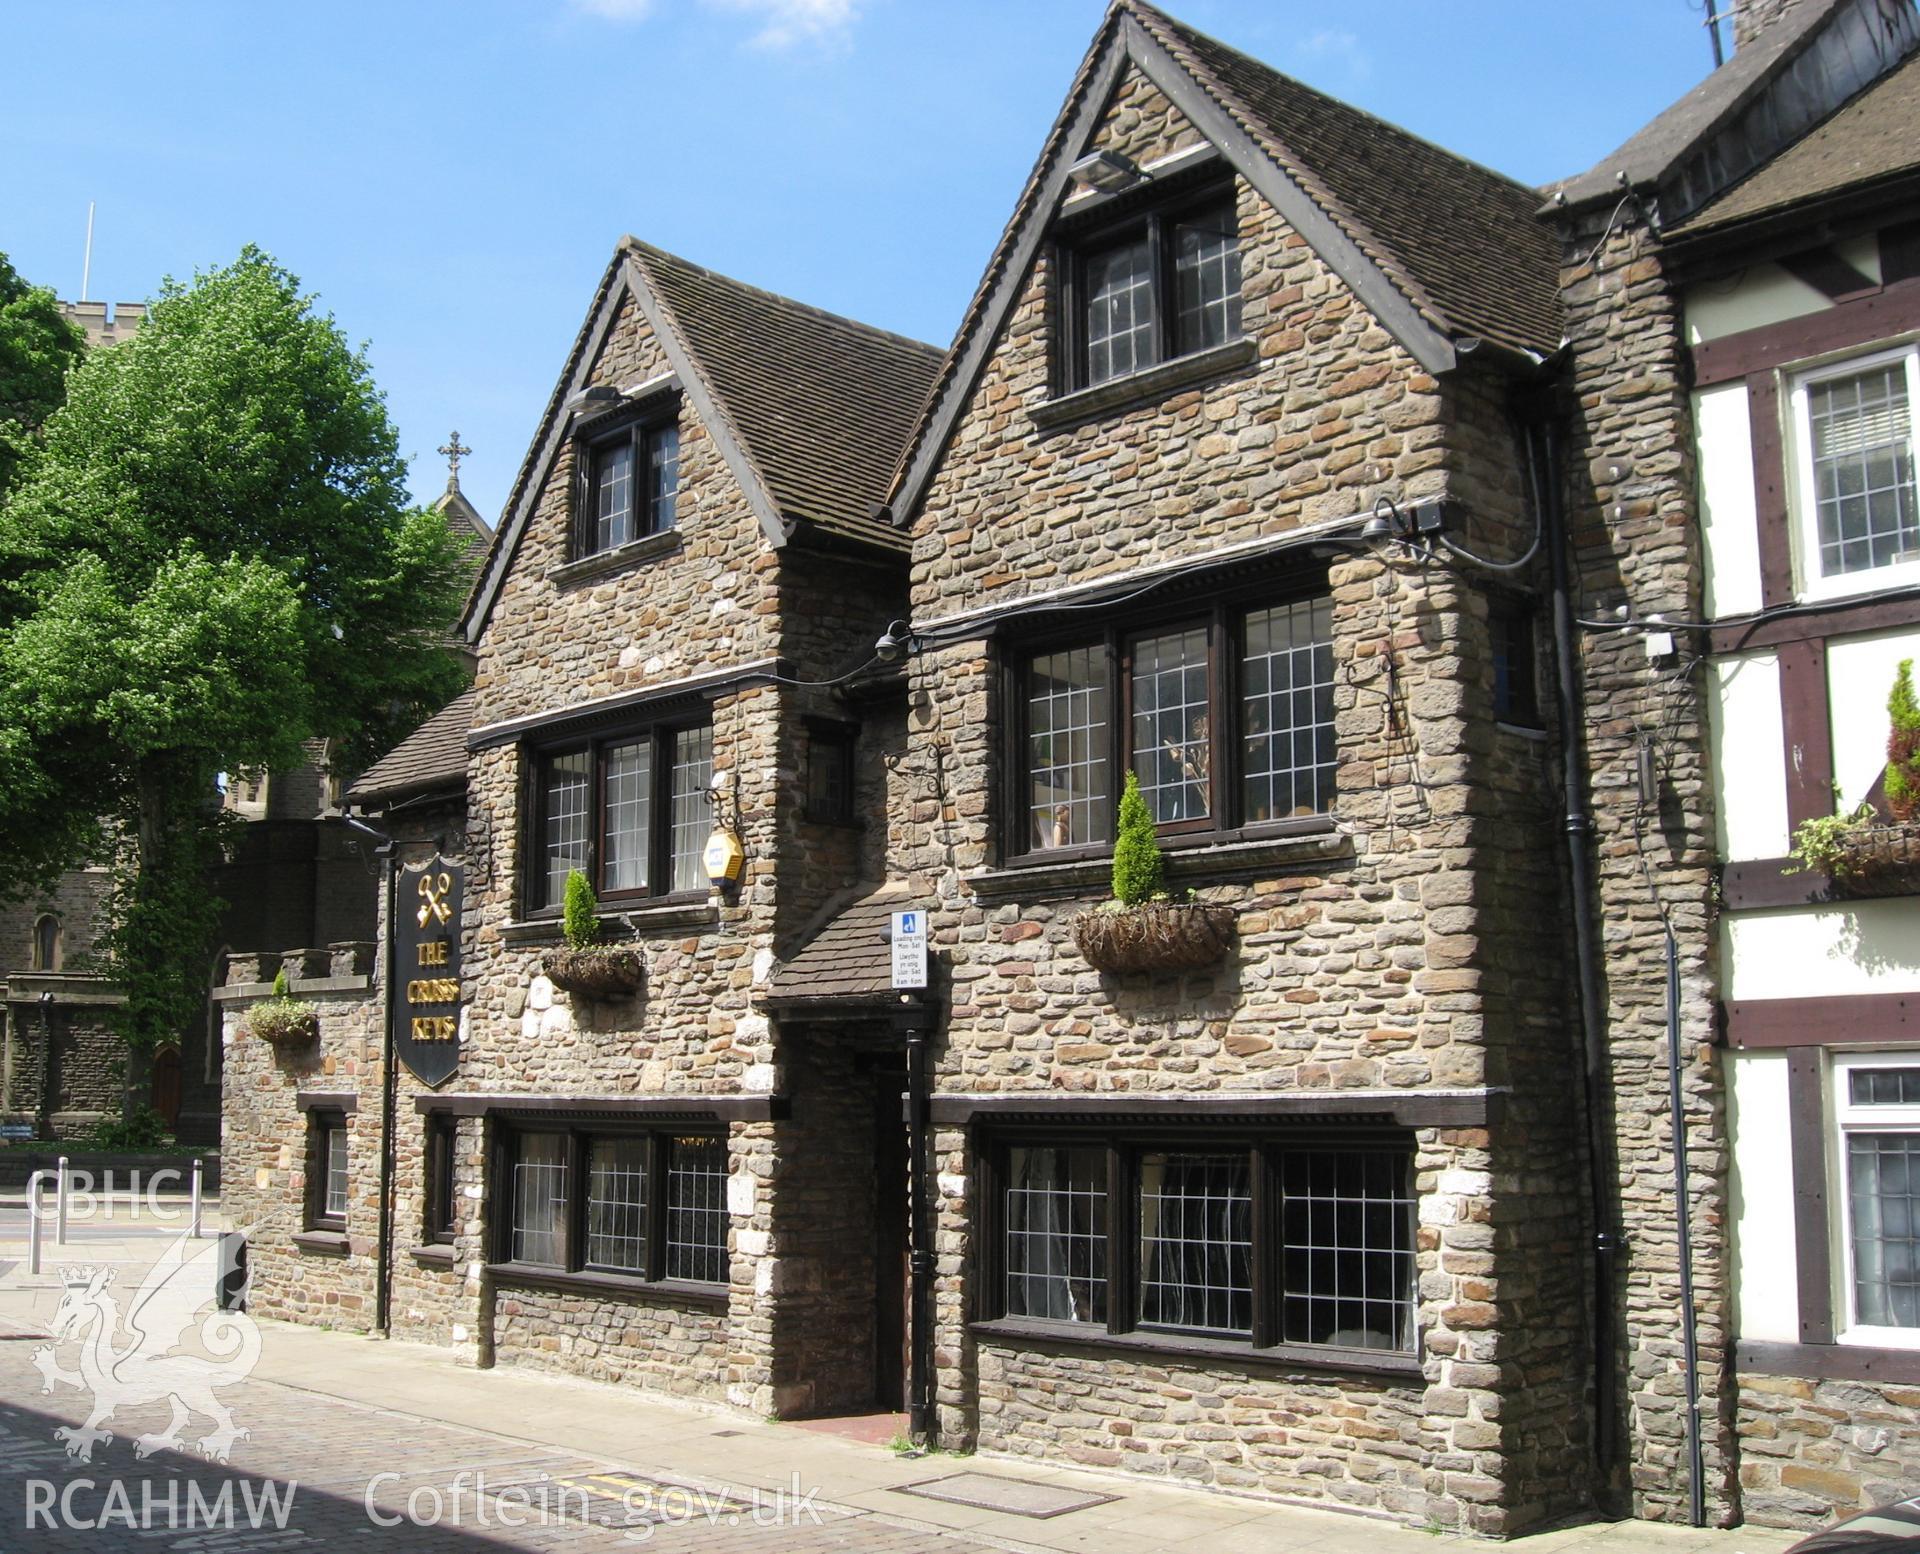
{"x": 38, "y": 344}
{"x": 209, "y": 561}
{"x": 1903, "y": 745}
{"x": 1137, "y": 865}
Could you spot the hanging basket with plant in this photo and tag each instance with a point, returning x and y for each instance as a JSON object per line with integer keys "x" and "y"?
{"x": 587, "y": 967}
{"x": 284, "y": 1020}
{"x": 1861, "y": 853}
{"x": 1140, "y": 929}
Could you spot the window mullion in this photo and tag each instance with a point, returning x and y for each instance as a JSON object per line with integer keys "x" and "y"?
{"x": 573, "y": 1207}
{"x": 1223, "y": 725}
{"x": 1160, "y": 266}
{"x": 1120, "y": 735}
{"x": 1267, "y": 1250}
{"x": 1123, "y": 1240}
{"x": 655, "y": 1262}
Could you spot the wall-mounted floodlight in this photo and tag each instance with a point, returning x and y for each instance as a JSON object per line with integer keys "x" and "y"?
{"x": 1107, "y": 171}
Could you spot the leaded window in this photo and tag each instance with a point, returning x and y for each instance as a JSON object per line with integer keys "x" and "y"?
{"x": 629, "y": 811}
{"x": 1877, "y": 1106}
{"x": 625, "y": 1201}
{"x": 1153, "y": 287}
{"x": 1278, "y": 1235}
{"x": 1227, "y": 720}
{"x": 629, "y": 486}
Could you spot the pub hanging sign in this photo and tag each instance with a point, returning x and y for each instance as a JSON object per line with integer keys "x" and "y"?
{"x": 423, "y": 1000}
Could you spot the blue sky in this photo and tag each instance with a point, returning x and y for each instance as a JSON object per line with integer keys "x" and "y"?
{"x": 451, "y": 178}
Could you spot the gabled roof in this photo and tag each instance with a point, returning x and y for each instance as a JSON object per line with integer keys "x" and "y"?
{"x": 1789, "y": 78}
{"x": 822, "y": 404}
{"x": 1441, "y": 250}
{"x": 1875, "y": 137}
{"x": 433, "y": 756}
{"x": 809, "y": 410}
{"x": 464, "y": 520}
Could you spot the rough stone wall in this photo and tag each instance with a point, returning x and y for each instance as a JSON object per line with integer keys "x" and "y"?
{"x": 263, "y": 1151}
{"x": 76, "y": 899}
{"x": 1357, "y": 970}
{"x": 719, "y": 595}
{"x": 1632, "y": 510}
{"x": 1814, "y": 1451}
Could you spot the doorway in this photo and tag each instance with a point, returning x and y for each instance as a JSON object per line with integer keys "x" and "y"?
{"x": 893, "y": 1277}
{"x": 164, "y": 1086}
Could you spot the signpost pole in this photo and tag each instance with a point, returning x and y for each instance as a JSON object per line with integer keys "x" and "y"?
{"x": 60, "y": 1204}
{"x": 915, "y": 1022}
{"x": 198, "y": 1165}
{"x": 34, "y": 1217}
{"x": 383, "y": 1286}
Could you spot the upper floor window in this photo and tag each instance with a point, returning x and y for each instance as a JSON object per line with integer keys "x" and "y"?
{"x": 46, "y": 943}
{"x": 1859, "y": 513}
{"x": 328, "y": 1182}
{"x": 1226, "y": 719}
{"x": 1159, "y": 286}
{"x": 1876, "y": 1101}
{"x": 629, "y": 485}
{"x": 628, "y": 810}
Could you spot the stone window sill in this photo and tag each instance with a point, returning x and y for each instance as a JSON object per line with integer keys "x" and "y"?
{"x": 322, "y": 1243}
{"x": 1187, "y": 864}
{"x": 1024, "y": 1332}
{"x": 433, "y": 1255}
{"x": 649, "y": 547}
{"x": 689, "y": 912}
{"x": 585, "y": 1281}
{"x": 1139, "y": 388}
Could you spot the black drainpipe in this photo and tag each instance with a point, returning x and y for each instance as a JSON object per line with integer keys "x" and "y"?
{"x": 389, "y": 1088}
{"x": 916, "y": 1024}
{"x": 1543, "y": 473}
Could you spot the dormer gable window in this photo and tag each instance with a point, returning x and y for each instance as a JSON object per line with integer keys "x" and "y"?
{"x": 630, "y": 487}
{"x": 1150, "y": 287}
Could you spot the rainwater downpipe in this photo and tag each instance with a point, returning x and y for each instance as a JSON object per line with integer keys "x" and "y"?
{"x": 1540, "y": 443}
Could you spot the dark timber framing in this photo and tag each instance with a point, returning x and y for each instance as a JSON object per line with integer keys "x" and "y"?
{"x": 1834, "y": 1020}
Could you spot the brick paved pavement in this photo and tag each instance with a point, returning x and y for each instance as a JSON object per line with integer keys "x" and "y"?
{"x": 327, "y": 1473}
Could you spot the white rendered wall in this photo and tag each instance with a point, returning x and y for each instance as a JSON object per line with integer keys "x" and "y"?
{"x": 1860, "y": 672}
{"x": 1729, "y": 530}
{"x": 1749, "y": 768}
{"x": 1765, "y": 294}
{"x": 1822, "y": 952}
{"x": 1766, "y": 1301}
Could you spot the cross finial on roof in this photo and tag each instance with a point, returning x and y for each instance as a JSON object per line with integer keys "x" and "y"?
{"x": 455, "y": 450}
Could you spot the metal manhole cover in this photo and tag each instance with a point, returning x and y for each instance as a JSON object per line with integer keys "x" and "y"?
{"x": 1015, "y": 1496}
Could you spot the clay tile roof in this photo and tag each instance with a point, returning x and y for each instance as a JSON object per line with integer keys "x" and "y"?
{"x": 433, "y": 756}
{"x": 1461, "y": 240}
{"x": 822, "y": 405}
{"x": 1874, "y": 136}
{"x": 851, "y": 957}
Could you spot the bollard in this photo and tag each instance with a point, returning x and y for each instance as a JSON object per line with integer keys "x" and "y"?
{"x": 60, "y": 1205}
{"x": 33, "y": 1221}
{"x": 194, "y": 1231}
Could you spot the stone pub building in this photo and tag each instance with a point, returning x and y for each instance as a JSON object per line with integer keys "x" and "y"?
{"x": 1252, "y": 475}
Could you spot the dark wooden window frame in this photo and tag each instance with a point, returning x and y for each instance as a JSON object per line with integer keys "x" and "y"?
{"x": 591, "y": 442}
{"x": 573, "y": 1270}
{"x": 1225, "y": 622}
{"x": 322, "y": 1123}
{"x": 439, "y": 1156}
{"x": 660, "y": 820}
{"x": 830, "y": 736}
{"x": 1521, "y": 709}
{"x": 1074, "y": 242}
{"x": 1125, "y": 1141}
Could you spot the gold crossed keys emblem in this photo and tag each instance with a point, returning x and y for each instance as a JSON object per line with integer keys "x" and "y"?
{"x": 434, "y": 890}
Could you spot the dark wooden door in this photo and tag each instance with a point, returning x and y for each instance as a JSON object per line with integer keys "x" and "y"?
{"x": 165, "y": 1087}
